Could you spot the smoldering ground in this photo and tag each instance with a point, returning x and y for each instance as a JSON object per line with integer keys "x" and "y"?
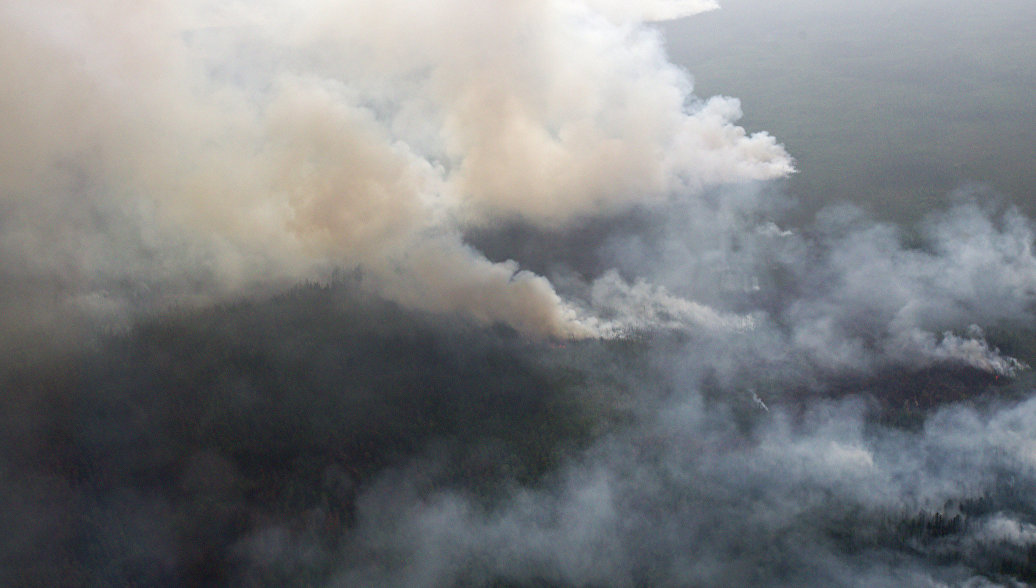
{"x": 568, "y": 341}
{"x": 326, "y": 436}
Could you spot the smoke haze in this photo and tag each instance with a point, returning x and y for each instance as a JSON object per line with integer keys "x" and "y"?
{"x": 461, "y": 293}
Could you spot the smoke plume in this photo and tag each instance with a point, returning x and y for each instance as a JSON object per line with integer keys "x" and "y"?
{"x": 203, "y": 150}
{"x": 475, "y": 293}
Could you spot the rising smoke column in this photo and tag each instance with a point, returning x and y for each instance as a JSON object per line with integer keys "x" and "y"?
{"x": 175, "y": 151}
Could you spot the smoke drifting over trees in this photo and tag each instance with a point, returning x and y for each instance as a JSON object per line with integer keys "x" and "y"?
{"x": 355, "y": 293}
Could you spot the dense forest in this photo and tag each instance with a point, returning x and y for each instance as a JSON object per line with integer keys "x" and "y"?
{"x": 248, "y": 444}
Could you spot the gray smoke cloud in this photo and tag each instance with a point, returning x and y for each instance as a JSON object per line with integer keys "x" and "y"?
{"x": 688, "y": 499}
{"x": 765, "y": 486}
{"x": 758, "y": 443}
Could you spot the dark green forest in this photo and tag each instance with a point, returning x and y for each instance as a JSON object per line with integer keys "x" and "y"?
{"x": 150, "y": 457}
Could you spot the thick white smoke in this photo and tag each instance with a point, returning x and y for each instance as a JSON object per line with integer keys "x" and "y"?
{"x": 204, "y": 149}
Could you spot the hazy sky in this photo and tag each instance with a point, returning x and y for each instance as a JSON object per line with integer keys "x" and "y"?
{"x": 887, "y": 104}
